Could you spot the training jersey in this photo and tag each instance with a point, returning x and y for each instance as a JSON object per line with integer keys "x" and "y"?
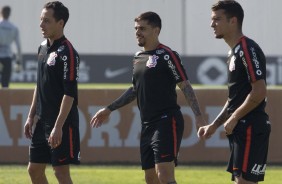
{"x": 58, "y": 68}
{"x": 155, "y": 75}
{"x": 246, "y": 64}
{"x": 8, "y": 34}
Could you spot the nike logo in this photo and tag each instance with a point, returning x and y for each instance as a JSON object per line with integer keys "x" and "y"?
{"x": 235, "y": 168}
{"x": 163, "y": 156}
{"x": 109, "y": 73}
{"x": 63, "y": 159}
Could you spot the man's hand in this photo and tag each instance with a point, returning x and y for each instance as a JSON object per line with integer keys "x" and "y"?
{"x": 101, "y": 116}
{"x": 205, "y": 132}
{"x": 18, "y": 67}
{"x": 28, "y": 127}
{"x": 230, "y": 124}
{"x": 55, "y": 138}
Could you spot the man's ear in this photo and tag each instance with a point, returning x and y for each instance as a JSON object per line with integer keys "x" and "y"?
{"x": 61, "y": 22}
{"x": 234, "y": 20}
{"x": 157, "y": 30}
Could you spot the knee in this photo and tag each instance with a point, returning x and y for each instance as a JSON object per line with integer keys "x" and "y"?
{"x": 150, "y": 179}
{"x": 31, "y": 171}
{"x": 34, "y": 172}
{"x": 165, "y": 177}
{"x": 62, "y": 175}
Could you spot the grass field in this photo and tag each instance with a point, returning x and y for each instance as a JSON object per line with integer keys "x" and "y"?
{"x": 119, "y": 86}
{"x": 17, "y": 174}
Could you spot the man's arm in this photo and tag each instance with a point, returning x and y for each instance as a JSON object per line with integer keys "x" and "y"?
{"x": 30, "y": 118}
{"x": 207, "y": 131}
{"x": 221, "y": 117}
{"x": 127, "y": 97}
{"x": 254, "y": 98}
{"x": 19, "y": 58}
{"x": 191, "y": 98}
{"x": 103, "y": 114}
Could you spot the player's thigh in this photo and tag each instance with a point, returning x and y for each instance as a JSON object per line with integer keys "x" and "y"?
{"x": 146, "y": 151}
{"x": 36, "y": 168}
{"x": 167, "y": 139}
{"x": 39, "y": 150}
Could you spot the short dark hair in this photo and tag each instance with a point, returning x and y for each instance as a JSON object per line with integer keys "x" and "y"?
{"x": 60, "y": 11}
{"x": 6, "y": 10}
{"x": 231, "y": 9}
{"x": 153, "y": 19}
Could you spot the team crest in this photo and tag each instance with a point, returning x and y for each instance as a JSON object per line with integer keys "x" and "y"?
{"x": 232, "y": 63}
{"x": 52, "y": 59}
{"x": 152, "y": 61}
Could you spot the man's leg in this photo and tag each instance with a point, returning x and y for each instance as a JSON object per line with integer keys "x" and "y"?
{"x": 62, "y": 174}
{"x": 6, "y": 72}
{"x": 240, "y": 180}
{"x": 165, "y": 172}
{"x": 151, "y": 176}
{"x": 37, "y": 173}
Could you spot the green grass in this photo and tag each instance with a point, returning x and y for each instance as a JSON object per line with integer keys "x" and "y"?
{"x": 17, "y": 174}
{"x": 120, "y": 86}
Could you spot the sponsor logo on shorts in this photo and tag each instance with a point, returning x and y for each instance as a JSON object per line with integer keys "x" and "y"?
{"x": 62, "y": 160}
{"x": 164, "y": 156}
{"x": 235, "y": 168}
{"x": 258, "y": 169}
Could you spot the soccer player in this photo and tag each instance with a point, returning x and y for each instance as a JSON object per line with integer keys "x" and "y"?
{"x": 243, "y": 116}
{"x": 9, "y": 34}
{"x": 156, "y": 71}
{"x": 55, "y": 138}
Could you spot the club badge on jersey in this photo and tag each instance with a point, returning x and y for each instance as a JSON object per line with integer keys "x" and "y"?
{"x": 152, "y": 61}
{"x": 52, "y": 59}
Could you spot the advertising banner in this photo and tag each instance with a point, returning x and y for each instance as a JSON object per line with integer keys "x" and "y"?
{"x": 210, "y": 70}
{"x": 117, "y": 140}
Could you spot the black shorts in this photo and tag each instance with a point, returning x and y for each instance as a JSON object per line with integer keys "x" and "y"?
{"x": 68, "y": 152}
{"x": 160, "y": 141}
{"x": 249, "y": 148}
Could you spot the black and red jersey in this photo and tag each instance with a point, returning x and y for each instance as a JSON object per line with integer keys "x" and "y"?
{"x": 57, "y": 76}
{"x": 246, "y": 64}
{"x": 155, "y": 75}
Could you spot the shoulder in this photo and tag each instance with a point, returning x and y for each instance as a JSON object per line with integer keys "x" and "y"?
{"x": 138, "y": 53}
{"x": 249, "y": 43}
{"x": 66, "y": 47}
{"x": 167, "y": 50}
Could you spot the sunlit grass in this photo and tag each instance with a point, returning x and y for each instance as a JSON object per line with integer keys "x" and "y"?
{"x": 87, "y": 174}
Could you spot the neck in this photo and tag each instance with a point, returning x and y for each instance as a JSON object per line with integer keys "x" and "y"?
{"x": 152, "y": 46}
{"x": 232, "y": 40}
{"x": 52, "y": 39}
